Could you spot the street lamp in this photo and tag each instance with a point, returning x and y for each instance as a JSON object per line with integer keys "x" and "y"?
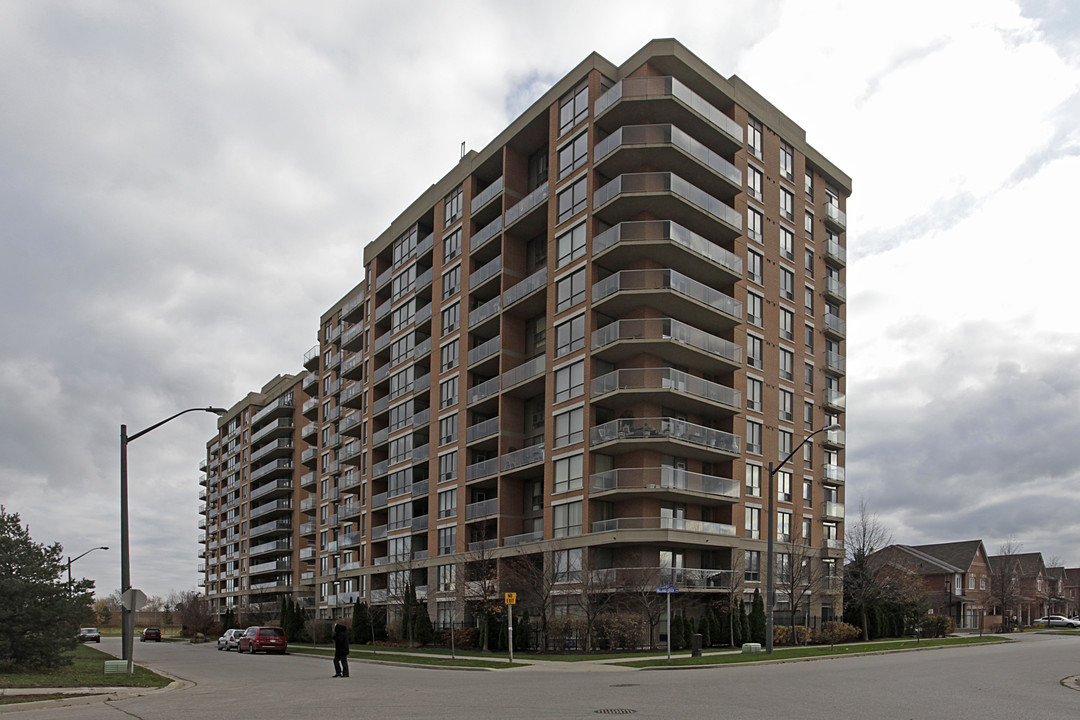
{"x": 71, "y": 560}
{"x": 127, "y": 614}
{"x": 770, "y": 580}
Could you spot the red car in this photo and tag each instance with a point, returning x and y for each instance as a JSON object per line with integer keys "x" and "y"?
{"x": 266, "y": 639}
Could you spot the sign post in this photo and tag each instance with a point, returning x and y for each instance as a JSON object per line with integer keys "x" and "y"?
{"x": 668, "y": 590}
{"x": 131, "y": 600}
{"x": 510, "y": 599}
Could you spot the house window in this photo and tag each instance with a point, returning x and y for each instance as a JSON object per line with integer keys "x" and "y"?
{"x": 570, "y": 290}
{"x": 452, "y": 207}
{"x": 448, "y": 429}
{"x": 808, "y": 225}
{"x": 753, "y": 437}
{"x": 452, "y": 245}
{"x": 787, "y": 324}
{"x": 570, "y": 381}
{"x": 569, "y": 427}
{"x": 754, "y": 262}
{"x": 808, "y": 377}
{"x": 571, "y": 245}
{"x": 753, "y": 137}
{"x": 808, "y": 186}
{"x": 753, "y": 182}
{"x": 808, "y": 339}
{"x": 573, "y": 107}
{"x": 753, "y": 480}
{"x": 573, "y": 155}
{"x": 570, "y": 336}
{"x": 787, "y": 401}
{"x": 447, "y": 577}
{"x": 753, "y": 523}
{"x": 808, "y": 262}
{"x": 784, "y": 441}
{"x": 753, "y": 224}
{"x": 808, "y": 299}
{"x": 567, "y": 519}
{"x": 787, "y": 363}
{"x": 753, "y": 394}
{"x": 808, "y": 417}
{"x": 569, "y": 473}
{"x": 807, "y": 493}
{"x": 572, "y": 200}
{"x": 400, "y": 285}
{"x": 787, "y": 161}
{"x": 971, "y": 581}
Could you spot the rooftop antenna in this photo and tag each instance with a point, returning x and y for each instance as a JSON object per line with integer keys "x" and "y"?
{"x": 462, "y": 150}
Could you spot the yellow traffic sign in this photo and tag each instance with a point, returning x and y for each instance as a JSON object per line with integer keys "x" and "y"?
{"x": 511, "y": 598}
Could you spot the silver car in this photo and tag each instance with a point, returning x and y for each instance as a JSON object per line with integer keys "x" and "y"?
{"x": 228, "y": 640}
{"x": 1057, "y": 621}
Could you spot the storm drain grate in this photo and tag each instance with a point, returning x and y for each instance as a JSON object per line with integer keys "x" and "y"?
{"x": 615, "y": 711}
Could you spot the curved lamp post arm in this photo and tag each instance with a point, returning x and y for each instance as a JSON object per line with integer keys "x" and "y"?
{"x": 73, "y": 559}
{"x": 155, "y": 426}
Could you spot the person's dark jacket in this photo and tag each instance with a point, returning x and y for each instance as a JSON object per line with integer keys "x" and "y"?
{"x": 341, "y": 640}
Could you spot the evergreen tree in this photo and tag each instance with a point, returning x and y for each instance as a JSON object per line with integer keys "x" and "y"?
{"x": 757, "y": 619}
{"x": 361, "y": 622}
{"x": 705, "y": 628}
{"x": 744, "y": 618}
{"x": 423, "y": 633}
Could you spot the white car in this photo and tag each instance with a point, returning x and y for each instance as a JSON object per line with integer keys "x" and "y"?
{"x": 1057, "y": 621}
{"x": 228, "y": 641}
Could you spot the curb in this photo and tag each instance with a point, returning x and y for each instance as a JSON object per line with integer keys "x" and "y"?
{"x": 86, "y": 695}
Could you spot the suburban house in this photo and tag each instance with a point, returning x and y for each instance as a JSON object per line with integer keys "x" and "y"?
{"x": 1025, "y": 573}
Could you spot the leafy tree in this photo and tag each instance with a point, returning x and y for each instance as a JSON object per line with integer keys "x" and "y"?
{"x": 757, "y": 619}
{"x": 40, "y": 613}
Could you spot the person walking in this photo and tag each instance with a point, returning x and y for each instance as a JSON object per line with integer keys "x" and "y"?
{"x": 341, "y": 651}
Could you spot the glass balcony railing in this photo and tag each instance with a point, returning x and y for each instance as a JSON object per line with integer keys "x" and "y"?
{"x": 631, "y": 135}
{"x": 484, "y": 350}
{"x": 836, "y": 251}
{"x": 665, "y": 182}
{"x": 835, "y": 361}
{"x": 835, "y": 215}
{"x": 668, "y": 87}
{"x": 527, "y": 203}
{"x": 661, "y": 428}
{"x": 485, "y": 508}
{"x": 511, "y": 540}
{"x": 834, "y": 510}
{"x": 481, "y": 430}
{"x": 488, "y": 270}
{"x": 834, "y": 473}
{"x": 664, "y": 478}
{"x": 836, "y": 288}
{"x": 666, "y": 379}
{"x": 524, "y": 371}
{"x": 664, "y": 523}
{"x": 835, "y": 398}
{"x": 520, "y": 458}
{"x": 666, "y": 329}
{"x": 526, "y": 287}
{"x": 483, "y": 312}
{"x": 486, "y": 195}
{"x": 485, "y": 233}
{"x": 670, "y": 280}
{"x": 835, "y": 323}
{"x": 482, "y": 469}
{"x": 648, "y": 231}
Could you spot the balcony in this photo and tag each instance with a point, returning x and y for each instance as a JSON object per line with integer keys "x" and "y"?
{"x": 481, "y": 430}
{"x": 282, "y": 446}
{"x": 836, "y": 252}
{"x": 681, "y": 343}
{"x": 672, "y": 245}
{"x": 276, "y": 506}
{"x": 511, "y": 540}
{"x": 274, "y": 467}
{"x": 833, "y": 511}
{"x": 527, "y": 204}
{"x": 282, "y": 486}
{"x": 666, "y": 195}
{"x": 665, "y": 434}
{"x": 485, "y": 350}
{"x": 485, "y": 311}
{"x": 835, "y": 216}
{"x": 835, "y": 438}
{"x": 311, "y": 359}
{"x": 522, "y": 458}
{"x": 664, "y": 523}
{"x": 485, "y": 234}
{"x": 683, "y": 578}
{"x": 835, "y": 326}
{"x": 282, "y": 426}
{"x": 353, "y": 339}
{"x": 666, "y": 483}
{"x": 835, "y": 362}
{"x": 282, "y": 405}
{"x": 835, "y": 400}
{"x": 523, "y": 373}
{"x": 274, "y": 526}
{"x": 633, "y": 146}
{"x": 835, "y": 289}
{"x": 668, "y": 291}
{"x": 480, "y": 470}
{"x": 682, "y": 391}
{"x": 634, "y": 100}
{"x": 833, "y": 473}
{"x": 484, "y": 509}
{"x": 486, "y": 389}
{"x": 528, "y": 286}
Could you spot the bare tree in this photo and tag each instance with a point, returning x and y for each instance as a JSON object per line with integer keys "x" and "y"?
{"x": 1005, "y": 580}
{"x": 597, "y": 591}
{"x": 193, "y": 611}
{"x": 799, "y": 576}
{"x": 638, "y": 586}
{"x": 731, "y": 583}
{"x": 533, "y": 576}
{"x": 864, "y": 582}
{"x": 481, "y": 587}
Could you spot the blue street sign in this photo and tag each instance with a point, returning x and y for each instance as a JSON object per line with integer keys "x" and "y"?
{"x": 669, "y": 588}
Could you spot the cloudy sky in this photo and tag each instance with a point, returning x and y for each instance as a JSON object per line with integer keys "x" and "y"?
{"x": 186, "y": 186}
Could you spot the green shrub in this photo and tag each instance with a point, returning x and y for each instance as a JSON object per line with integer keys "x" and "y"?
{"x": 935, "y": 626}
{"x": 835, "y": 632}
{"x": 782, "y": 635}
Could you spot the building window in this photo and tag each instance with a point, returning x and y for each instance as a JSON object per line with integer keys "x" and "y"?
{"x": 787, "y": 324}
{"x": 573, "y": 155}
{"x": 787, "y": 362}
{"x": 567, "y": 519}
{"x": 570, "y": 290}
{"x": 448, "y": 503}
{"x": 808, "y": 377}
{"x": 451, "y": 245}
{"x": 448, "y": 429}
{"x": 574, "y": 107}
{"x": 753, "y": 137}
{"x": 753, "y": 480}
{"x": 452, "y": 207}
{"x": 753, "y": 523}
{"x": 753, "y": 182}
{"x": 753, "y": 351}
{"x": 784, "y": 438}
{"x": 751, "y": 565}
{"x": 570, "y": 381}
{"x": 753, "y": 437}
{"x": 783, "y": 486}
{"x": 787, "y": 244}
{"x": 400, "y": 349}
{"x": 569, "y": 473}
{"x": 753, "y": 224}
{"x": 808, "y": 455}
{"x": 567, "y": 565}
{"x": 402, "y": 316}
{"x": 808, "y": 263}
{"x": 451, "y": 318}
{"x": 754, "y": 262}
{"x": 808, "y": 417}
{"x": 753, "y": 394}
{"x": 448, "y": 393}
{"x": 787, "y": 205}
{"x": 451, "y": 281}
{"x": 570, "y": 245}
{"x": 787, "y": 162}
{"x": 808, "y": 337}
{"x": 572, "y": 200}
{"x": 570, "y": 336}
{"x": 808, "y": 186}
{"x": 569, "y": 427}
{"x": 448, "y": 355}
{"x": 787, "y": 284}
{"x": 808, "y": 225}
{"x": 447, "y": 540}
{"x": 401, "y": 285}
{"x": 808, "y": 299}
{"x": 448, "y": 466}
{"x": 807, "y": 493}
{"x": 787, "y": 401}
{"x": 783, "y": 527}
{"x": 753, "y": 309}
{"x": 447, "y": 577}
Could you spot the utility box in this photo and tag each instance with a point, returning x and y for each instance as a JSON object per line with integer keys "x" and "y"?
{"x": 695, "y": 645}
{"x": 751, "y": 648}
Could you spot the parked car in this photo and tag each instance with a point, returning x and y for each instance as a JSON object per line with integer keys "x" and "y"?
{"x": 89, "y": 635}
{"x": 230, "y": 639}
{"x": 151, "y": 633}
{"x": 1057, "y": 621}
{"x": 265, "y": 639}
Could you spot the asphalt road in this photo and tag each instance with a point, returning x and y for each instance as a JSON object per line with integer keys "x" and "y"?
{"x": 1017, "y": 681}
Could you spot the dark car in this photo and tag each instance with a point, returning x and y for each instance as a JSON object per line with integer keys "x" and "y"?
{"x": 89, "y": 635}
{"x": 265, "y": 639}
{"x": 151, "y": 634}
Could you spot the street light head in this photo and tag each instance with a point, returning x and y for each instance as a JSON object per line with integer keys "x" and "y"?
{"x": 216, "y": 411}
{"x": 833, "y": 426}
{"x": 103, "y": 547}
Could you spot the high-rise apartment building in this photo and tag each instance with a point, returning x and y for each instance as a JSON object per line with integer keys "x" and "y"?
{"x": 578, "y": 352}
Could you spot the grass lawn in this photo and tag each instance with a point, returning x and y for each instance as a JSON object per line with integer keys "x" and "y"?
{"x": 87, "y": 670}
{"x": 813, "y": 651}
